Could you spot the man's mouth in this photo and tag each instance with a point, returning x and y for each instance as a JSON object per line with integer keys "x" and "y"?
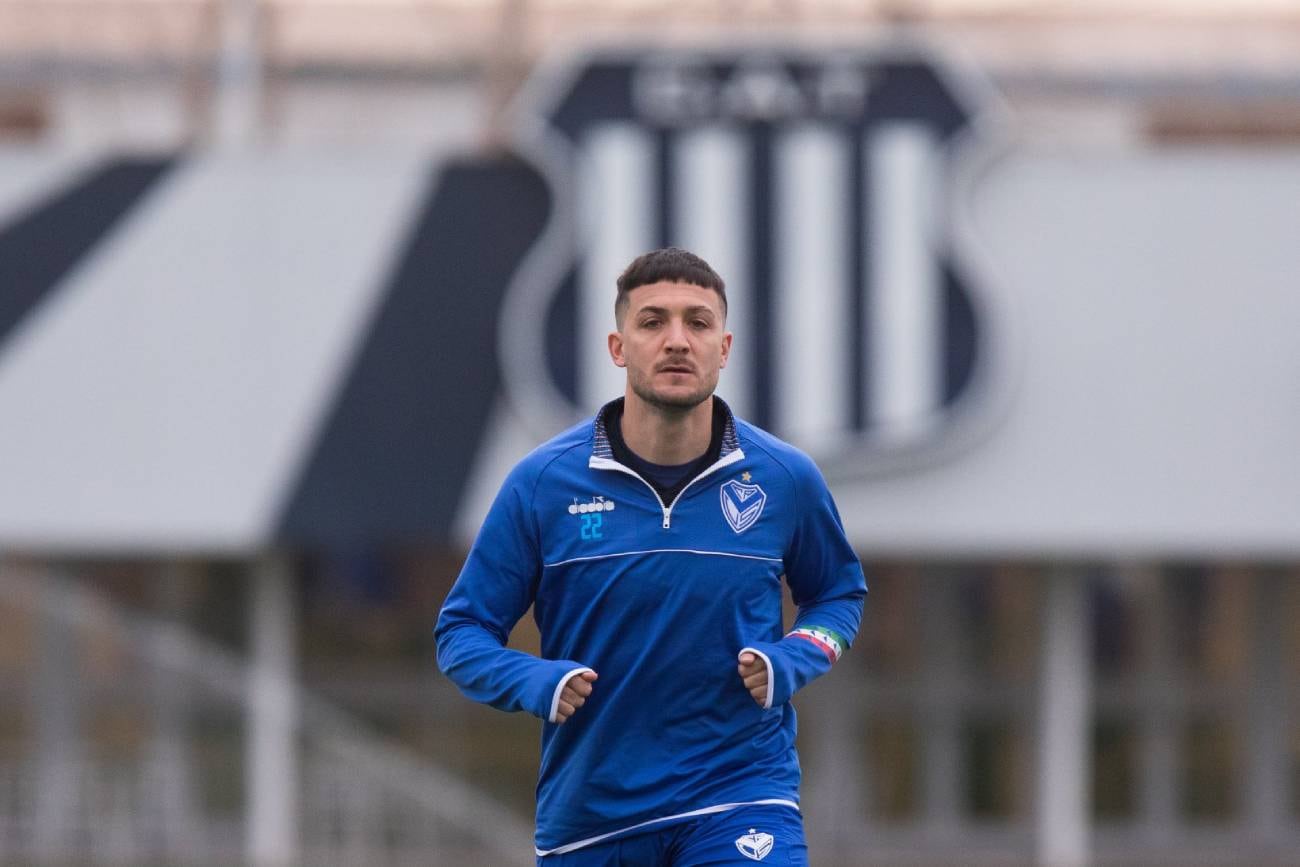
{"x": 676, "y": 368}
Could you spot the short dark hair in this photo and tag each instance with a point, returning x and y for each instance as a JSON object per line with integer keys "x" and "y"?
{"x": 671, "y": 264}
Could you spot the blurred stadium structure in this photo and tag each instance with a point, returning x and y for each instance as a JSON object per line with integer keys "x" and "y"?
{"x": 360, "y": 800}
{"x": 252, "y": 261}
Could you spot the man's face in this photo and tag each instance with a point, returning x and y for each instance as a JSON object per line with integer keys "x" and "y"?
{"x": 673, "y": 341}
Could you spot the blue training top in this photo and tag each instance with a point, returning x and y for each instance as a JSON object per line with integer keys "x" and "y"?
{"x": 659, "y": 599}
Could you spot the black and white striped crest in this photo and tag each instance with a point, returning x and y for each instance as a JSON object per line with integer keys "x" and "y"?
{"x": 820, "y": 185}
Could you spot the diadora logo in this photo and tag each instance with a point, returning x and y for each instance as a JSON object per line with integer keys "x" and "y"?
{"x": 592, "y": 513}
{"x": 742, "y": 504}
{"x": 755, "y": 845}
{"x": 827, "y": 187}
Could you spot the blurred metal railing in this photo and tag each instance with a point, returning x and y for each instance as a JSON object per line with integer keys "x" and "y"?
{"x": 130, "y": 783}
{"x": 235, "y": 73}
{"x": 425, "y": 34}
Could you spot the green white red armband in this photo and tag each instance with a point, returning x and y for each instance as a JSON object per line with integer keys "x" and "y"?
{"x": 828, "y": 641}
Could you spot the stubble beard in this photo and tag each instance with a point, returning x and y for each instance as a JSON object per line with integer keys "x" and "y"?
{"x": 671, "y": 404}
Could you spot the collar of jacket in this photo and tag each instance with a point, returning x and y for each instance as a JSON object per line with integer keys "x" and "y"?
{"x": 602, "y": 450}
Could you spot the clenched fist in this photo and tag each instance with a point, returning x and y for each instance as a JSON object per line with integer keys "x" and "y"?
{"x": 753, "y": 671}
{"x": 574, "y": 695}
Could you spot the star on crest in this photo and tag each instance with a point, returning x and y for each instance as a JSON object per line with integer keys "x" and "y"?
{"x": 745, "y": 476}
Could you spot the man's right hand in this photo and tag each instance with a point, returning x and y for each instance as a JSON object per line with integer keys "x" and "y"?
{"x": 574, "y": 695}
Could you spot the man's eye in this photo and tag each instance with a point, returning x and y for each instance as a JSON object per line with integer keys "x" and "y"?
{"x": 700, "y": 323}
{"x": 649, "y": 323}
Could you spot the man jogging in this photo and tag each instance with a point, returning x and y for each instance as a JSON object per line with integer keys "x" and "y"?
{"x": 652, "y": 540}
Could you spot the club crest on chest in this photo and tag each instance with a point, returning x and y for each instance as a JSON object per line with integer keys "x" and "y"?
{"x": 742, "y": 504}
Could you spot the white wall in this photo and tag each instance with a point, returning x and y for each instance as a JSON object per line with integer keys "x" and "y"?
{"x": 1158, "y": 404}
{"x": 166, "y": 395}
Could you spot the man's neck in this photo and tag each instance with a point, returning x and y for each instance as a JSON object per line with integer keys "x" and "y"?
{"x": 663, "y": 436}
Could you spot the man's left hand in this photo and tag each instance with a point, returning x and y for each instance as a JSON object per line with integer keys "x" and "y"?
{"x": 753, "y": 671}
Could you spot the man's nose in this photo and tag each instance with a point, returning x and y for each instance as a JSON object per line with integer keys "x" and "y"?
{"x": 676, "y": 338}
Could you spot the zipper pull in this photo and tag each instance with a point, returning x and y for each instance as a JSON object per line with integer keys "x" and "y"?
{"x": 667, "y": 519}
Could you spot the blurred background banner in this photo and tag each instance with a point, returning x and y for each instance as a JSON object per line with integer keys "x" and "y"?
{"x": 287, "y": 286}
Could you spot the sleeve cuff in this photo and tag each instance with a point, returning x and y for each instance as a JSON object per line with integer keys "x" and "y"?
{"x": 771, "y": 674}
{"x": 559, "y": 687}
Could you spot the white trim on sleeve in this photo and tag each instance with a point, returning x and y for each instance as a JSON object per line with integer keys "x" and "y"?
{"x": 559, "y": 687}
{"x": 771, "y": 675}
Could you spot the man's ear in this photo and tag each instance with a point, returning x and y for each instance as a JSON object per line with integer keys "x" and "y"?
{"x": 616, "y": 349}
{"x": 726, "y": 349}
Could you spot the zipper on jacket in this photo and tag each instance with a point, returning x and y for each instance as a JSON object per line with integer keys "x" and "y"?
{"x": 611, "y": 464}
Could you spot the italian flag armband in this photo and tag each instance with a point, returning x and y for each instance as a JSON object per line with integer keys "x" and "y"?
{"x": 828, "y": 641}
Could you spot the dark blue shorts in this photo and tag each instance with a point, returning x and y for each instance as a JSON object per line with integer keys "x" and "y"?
{"x": 767, "y": 834}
